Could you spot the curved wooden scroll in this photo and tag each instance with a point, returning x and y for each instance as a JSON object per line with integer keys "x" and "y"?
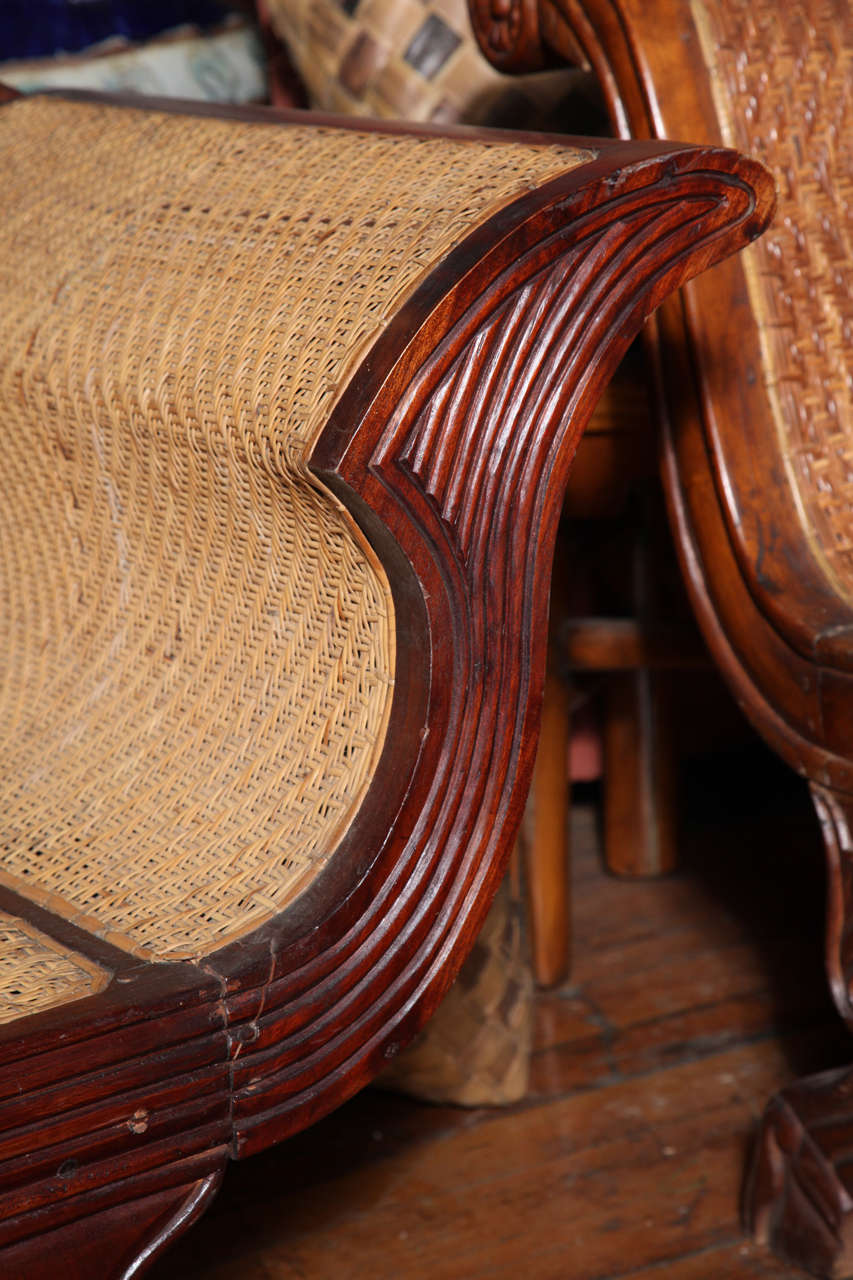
{"x": 469, "y": 410}
{"x": 509, "y": 32}
{"x": 451, "y": 446}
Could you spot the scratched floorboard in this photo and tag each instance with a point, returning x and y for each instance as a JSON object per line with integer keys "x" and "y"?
{"x": 691, "y": 999}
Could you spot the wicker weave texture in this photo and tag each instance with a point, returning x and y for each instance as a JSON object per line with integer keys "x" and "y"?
{"x": 199, "y": 646}
{"x": 783, "y": 81}
{"x": 36, "y": 973}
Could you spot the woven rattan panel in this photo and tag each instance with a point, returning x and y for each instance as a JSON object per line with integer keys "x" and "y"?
{"x": 783, "y": 80}
{"x": 36, "y": 973}
{"x": 199, "y": 647}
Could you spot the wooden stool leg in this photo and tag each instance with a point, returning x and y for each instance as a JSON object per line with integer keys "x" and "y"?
{"x": 799, "y": 1198}
{"x": 639, "y": 775}
{"x": 639, "y": 764}
{"x": 545, "y": 841}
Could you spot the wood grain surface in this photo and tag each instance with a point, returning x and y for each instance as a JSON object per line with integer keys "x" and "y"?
{"x": 691, "y": 999}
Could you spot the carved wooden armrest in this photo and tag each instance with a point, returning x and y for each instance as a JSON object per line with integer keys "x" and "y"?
{"x": 289, "y": 404}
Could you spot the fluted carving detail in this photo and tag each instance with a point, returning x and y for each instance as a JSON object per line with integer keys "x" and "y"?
{"x": 469, "y": 467}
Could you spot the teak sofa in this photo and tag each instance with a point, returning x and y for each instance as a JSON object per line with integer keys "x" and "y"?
{"x": 288, "y": 406}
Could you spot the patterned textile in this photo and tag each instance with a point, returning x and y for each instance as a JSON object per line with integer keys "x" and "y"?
{"x": 408, "y": 59}
{"x": 225, "y": 66}
{"x": 42, "y": 28}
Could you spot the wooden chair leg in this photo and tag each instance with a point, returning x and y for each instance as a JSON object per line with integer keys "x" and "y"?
{"x": 799, "y": 1197}
{"x": 639, "y": 775}
{"x": 545, "y": 842}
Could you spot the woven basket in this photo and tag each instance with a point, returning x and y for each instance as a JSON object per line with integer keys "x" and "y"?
{"x": 798, "y": 119}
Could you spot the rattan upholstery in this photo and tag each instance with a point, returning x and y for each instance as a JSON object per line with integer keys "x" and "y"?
{"x": 199, "y": 644}
{"x": 36, "y": 973}
{"x": 783, "y": 84}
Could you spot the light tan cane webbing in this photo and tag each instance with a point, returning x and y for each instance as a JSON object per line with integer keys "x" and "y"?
{"x": 198, "y": 646}
{"x": 783, "y": 83}
{"x": 37, "y": 973}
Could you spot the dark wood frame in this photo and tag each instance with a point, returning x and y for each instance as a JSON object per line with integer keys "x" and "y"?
{"x": 125, "y": 1107}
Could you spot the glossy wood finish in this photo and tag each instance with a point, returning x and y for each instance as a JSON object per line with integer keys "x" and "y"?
{"x": 621, "y": 562}
{"x": 545, "y": 841}
{"x": 145, "y": 1090}
{"x": 691, "y": 998}
{"x": 639, "y": 812}
{"x": 123, "y": 1240}
{"x": 767, "y": 609}
{"x": 774, "y": 618}
{"x": 640, "y": 762}
{"x": 800, "y": 1184}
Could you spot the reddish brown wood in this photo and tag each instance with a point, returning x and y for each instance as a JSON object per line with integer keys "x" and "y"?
{"x": 545, "y": 830}
{"x": 626, "y": 1159}
{"x": 461, "y": 760}
{"x": 121, "y": 1241}
{"x": 546, "y": 847}
{"x": 801, "y": 1185}
{"x": 835, "y": 812}
{"x": 774, "y": 618}
{"x": 613, "y": 474}
{"x": 639, "y": 760}
{"x": 654, "y": 77}
{"x": 145, "y": 1087}
{"x": 639, "y": 766}
{"x": 510, "y": 33}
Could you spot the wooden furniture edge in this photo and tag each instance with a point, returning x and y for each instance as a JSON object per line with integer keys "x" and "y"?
{"x": 300, "y": 1014}
{"x": 802, "y": 606}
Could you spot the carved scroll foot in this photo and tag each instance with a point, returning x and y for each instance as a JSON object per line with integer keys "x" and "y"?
{"x": 119, "y": 1243}
{"x": 800, "y": 1189}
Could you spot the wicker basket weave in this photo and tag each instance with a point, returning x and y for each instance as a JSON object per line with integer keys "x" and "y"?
{"x": 36, "y": 972}
{"x": 418, "y": 60}
{"x": 799, "y": 122}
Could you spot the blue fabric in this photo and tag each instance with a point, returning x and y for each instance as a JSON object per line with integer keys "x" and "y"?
{"x": 40, "y": 28}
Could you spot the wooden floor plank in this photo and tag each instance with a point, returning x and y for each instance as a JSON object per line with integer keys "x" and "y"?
{"x": 691, "y": 1000}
